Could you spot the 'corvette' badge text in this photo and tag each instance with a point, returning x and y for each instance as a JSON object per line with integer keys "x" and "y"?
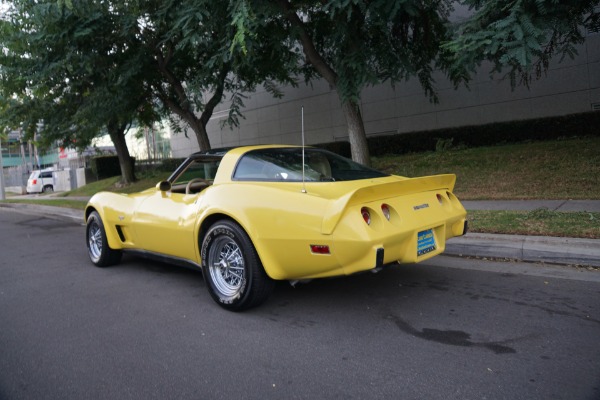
{"x": 421, "y": 206}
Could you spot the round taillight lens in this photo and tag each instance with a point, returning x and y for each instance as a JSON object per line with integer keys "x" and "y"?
{"x": 385, "y": 209}
{"x": 366, "y": 215}
{"x": 440, "y": 198}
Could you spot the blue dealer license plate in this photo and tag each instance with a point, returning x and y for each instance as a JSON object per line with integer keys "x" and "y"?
{"x": 425, "y": 242}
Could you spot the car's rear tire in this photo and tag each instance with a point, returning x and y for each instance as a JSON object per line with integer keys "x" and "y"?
{"x": 48, "y": 189}
{"x": 98, "y": 249}
{"x": 234, "y": 275}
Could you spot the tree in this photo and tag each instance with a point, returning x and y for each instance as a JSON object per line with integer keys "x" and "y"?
{"x": 71, "y": 68}
{"x": 196, "y": 65}
{"x": 353, "y": 44}
{"x": 356, "y": 43}
{"x": 88, "y": 67}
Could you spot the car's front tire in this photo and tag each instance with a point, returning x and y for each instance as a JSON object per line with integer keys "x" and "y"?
{"x": 233, "y": 272}
{"x": 98, "y": 249}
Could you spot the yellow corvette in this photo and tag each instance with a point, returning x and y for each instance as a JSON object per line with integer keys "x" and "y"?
{"x": 248, "y": 216}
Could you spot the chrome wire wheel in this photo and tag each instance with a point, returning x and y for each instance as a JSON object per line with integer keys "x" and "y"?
{"x": 95, "y": 241}
{"x": 226, "y": 266}
{"x": 234, "y": 275}
{"x": 99, "y": 250}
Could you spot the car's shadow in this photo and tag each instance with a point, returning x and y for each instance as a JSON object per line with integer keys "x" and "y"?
{"x": 390, "y": 285}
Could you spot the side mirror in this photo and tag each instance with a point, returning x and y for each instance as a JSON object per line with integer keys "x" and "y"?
{"x": 164, "y": 186}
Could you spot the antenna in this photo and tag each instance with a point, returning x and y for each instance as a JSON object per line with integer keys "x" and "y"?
{"x": 303, "y": 181}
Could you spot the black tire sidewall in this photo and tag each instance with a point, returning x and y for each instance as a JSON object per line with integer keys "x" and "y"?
{"x": 108, "y": 256}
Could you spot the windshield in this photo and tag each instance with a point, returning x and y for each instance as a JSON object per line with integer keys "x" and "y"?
{"x": 285, "y": 164}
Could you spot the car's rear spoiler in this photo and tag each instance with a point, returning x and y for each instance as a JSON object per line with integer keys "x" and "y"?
{"x": 384, "y": 191}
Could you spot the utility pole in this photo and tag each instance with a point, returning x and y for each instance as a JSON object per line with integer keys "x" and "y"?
{"x": 2, "y": 193}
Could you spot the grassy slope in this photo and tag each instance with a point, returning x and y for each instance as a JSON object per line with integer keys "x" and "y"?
{"x": 567, "y": 169}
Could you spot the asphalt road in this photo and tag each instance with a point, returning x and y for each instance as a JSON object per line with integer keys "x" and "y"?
{"x": 446, "y": 329}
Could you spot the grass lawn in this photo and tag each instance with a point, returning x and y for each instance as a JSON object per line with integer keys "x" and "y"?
{"x": 145, "y": 181}
{"x": 538, "y": 222}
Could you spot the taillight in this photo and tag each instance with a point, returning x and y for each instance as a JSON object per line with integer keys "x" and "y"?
{"x": 33, "y": 182}
{"x": 440, "y": 198}
{"x": 385, "y": 209}
{"x": 366, "y": 215}
{"x": 319, "y": 249}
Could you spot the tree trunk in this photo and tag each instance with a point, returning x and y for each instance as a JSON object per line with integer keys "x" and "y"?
{"x": 199, "y": 129}
{"x": 356, "y": 133}
{"x": 126, "y": 162}
{"x": 356, "y": 127}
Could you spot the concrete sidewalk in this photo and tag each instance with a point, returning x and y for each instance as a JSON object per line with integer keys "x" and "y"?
{"x": 553, "y": 250}
{"x": 530, "y": 205}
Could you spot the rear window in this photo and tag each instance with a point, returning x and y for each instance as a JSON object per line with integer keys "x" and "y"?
{"x": 285, "y": 164}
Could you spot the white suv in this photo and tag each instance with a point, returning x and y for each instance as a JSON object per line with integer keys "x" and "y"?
{"x": 40, "y": 181}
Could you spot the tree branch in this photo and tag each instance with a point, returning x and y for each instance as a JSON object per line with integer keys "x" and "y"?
{"x": 175, "y": 83}
{"x": 217, "y": 95}
{"x": 308, "y": 46}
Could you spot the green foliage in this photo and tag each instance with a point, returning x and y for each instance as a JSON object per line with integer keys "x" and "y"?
{"x": 169, "y": 165}
{"x": 518, "y": 37}
{"x": 105, "y": 166}
{"x": 70, "y": 73}
{"x": 443, "y": 144}
{"x": 77, "y": 64}
{"x": 361, "y": 43}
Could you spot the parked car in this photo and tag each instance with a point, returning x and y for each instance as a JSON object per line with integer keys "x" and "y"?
{"x": 41, "y": 181}
{"x": 248, "y": 216}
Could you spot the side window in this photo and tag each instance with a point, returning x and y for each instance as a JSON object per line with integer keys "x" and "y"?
{"x": 46, "y": 175}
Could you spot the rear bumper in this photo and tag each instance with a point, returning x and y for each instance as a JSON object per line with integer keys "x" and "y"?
{"x": 401, "y": 247}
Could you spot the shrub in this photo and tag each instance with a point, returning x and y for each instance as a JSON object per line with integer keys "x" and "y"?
{"x": 105, "y": 166}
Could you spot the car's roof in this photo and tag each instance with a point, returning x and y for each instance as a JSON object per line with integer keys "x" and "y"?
{"x": 212, "y": 152}
{"x": 221, "y": 151}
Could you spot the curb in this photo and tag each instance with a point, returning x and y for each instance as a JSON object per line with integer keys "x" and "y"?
{"x": 553, "y": 250}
